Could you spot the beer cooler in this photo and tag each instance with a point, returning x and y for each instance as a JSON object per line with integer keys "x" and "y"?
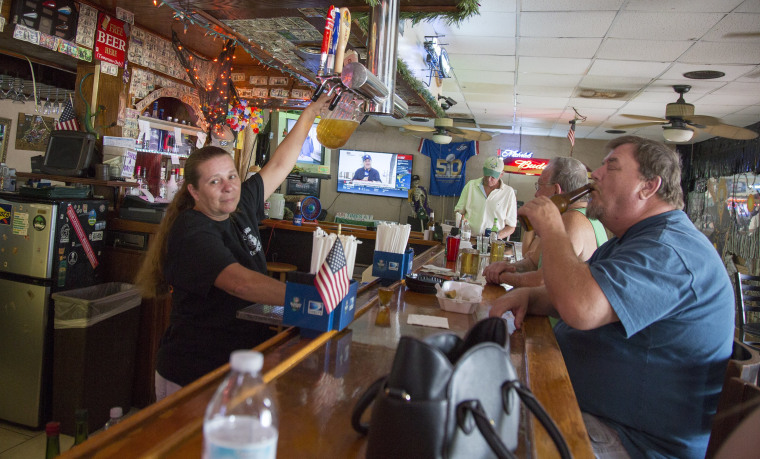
{"x": 47, "y": 245}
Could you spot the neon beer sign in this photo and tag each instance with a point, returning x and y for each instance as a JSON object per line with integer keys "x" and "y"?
{"x": 525, "y": 166}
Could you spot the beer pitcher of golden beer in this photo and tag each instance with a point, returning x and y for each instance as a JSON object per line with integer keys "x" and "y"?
{"x": 338, "y": 124}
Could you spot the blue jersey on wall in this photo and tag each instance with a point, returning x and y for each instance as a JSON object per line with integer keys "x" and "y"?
{"x": 447, "y": 165}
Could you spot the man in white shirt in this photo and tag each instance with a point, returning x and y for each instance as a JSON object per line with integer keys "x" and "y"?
{"x": 486, "y": 198}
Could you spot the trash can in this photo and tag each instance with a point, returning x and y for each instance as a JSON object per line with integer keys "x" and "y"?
{"x": 95, "y": 333}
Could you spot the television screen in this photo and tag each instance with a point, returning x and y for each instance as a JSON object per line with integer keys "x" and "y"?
{"x": 311, "y": 151}
{"x": 374, "y": 173}
{"x": 70, "y": 153}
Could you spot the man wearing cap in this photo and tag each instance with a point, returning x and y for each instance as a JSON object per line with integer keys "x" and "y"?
{"x": 366, "y": 173}
{"x": 486, "y": 198}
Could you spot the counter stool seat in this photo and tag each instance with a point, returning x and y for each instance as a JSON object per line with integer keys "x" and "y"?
{"x": 282, "y": 268}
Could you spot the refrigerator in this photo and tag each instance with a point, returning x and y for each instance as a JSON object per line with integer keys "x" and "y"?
{"x": 46, "y": 246}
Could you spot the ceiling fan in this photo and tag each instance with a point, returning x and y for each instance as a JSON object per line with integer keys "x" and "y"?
{"x": 444, "y": 132}
{"x": 680, "y": 122}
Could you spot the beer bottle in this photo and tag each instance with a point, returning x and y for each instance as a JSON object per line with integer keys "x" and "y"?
{"x": 80, "y": 426}
{"x": 297, "y": 215}
{"x": 53, "y": 446}
{"x": 562, "y": 201}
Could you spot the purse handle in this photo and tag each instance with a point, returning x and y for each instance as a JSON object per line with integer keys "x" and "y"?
{"x": 363, "y": 403}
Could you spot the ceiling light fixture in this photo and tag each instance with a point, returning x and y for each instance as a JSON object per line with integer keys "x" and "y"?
{"x": 677, "y": 134}
{"x": 442, "y": 139}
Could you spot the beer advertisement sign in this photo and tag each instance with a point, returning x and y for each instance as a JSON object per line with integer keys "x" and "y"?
{"x": 525, "y": 166}
{"x": 111, "y": 40}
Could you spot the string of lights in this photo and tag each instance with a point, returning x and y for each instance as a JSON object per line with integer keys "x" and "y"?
{"x": 189, "y": 18}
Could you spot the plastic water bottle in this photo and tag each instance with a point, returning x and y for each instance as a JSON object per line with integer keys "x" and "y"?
{"x": 116, "y": 416}
{"x": 241, "y": 419}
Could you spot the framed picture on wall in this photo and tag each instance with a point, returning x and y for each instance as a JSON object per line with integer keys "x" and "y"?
{"x": 33, "y": 132}
{"x": 5, "y": 134}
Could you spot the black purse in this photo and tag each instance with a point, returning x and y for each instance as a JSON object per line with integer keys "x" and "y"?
{"x": 440, "y": 389}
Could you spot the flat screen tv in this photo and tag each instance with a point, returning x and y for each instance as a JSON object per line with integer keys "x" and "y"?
{"x": 384, "y": 174}
{"x": 71, "y": 153}
{"x": 314, "y": 158}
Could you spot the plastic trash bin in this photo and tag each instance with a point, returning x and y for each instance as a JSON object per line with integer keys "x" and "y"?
{"x": 95, "y": 333}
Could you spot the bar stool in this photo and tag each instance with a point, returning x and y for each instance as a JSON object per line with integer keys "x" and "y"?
{"x": 282, "y": 268}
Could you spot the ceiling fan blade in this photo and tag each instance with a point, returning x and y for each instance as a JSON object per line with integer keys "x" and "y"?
{"x": 419, "y": 134}
{"x": 475, "y": 135}
{"x": 415, "y": 127}
{"x": 731, "y": 132}
{"x": 646, "y": 118}
{"x": 641, "y": 125}
{"x": 703, "y": 120}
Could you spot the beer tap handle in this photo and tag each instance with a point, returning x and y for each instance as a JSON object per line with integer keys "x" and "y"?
{"x": 318, "y": 92}
{"x": 336, "y": 99}
{"x": 344, "y": 32}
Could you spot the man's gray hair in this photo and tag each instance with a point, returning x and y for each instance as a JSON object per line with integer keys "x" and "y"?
{"x": 568, "y": 173}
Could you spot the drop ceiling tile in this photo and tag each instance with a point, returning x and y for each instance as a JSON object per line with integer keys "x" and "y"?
{"x": 644, "y": 108}
{"x": 492, "y": 24}
{"x": 535, "y": 131}
{"x": 728, "y": 99}
{"x": 465, "y": 44}
{"x": 722, "y": 53}
{"x": 486, "y": 88}
{"x": 738, "y": 88}
{"x": 559, "y": 66}
{"x": 545, "y": 91}
{"x": 733, "y": 23}
{"x": 749, "y": 6}
{"x": 663, "y": 26}
{"x": 732, "y": 71}
{"x": 698, "y": 87}
{"x": 721, "y": 6}
{"x": 495, "y": 98}
{"x": 482, "y": 62}
{"x": 482, "y": 76}
{"x": 566, "y": 24}
{"x": 570, "y": 5}
{"x": 559, "y": 47}
{"x": 740, "y": 120}
{"x": 596, "y": 103}
{"x": 544, "y": 79}
{"x": 592, "y": 114}
{"x": 752, "y": 76}
{"x": 627, "y": 68}
{"x": 753, "y": 110}
{"x": 541, "y": 102}
{"x": 642, "y": 50}
{"x": 614, "y": 82}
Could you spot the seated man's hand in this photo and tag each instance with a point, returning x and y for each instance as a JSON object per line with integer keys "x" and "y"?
{"x": 516, "y": 301}
{"x": 492, "y": 271}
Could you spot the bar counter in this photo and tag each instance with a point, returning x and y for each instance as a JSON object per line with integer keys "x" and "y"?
{"x": 318, "y": 380}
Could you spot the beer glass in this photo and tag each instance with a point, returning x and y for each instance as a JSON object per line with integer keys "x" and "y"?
{"x": 468, "y": 263}
{"x": 337, "y": 125}
{"x": 497, "y": 251}
{"x": 383, "y": 318}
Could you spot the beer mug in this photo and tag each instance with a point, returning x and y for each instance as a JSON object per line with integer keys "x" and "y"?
{"x": 338, "y": 124}
{"x": 497, "y": 251}
{"x": 468, "y": 263}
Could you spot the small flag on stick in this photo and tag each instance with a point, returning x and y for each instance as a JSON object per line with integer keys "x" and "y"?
{"x": 68, "y": 119}
{"x": 571, "y": 133}
{"x": 332, "y": 279}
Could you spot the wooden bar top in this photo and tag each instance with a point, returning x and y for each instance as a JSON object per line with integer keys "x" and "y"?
{"x": 415, "y": 237}
{"x": 318, "y": 381}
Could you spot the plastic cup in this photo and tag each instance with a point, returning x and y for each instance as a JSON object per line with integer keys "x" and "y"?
{"x": 497, "y": 251}
{"x": 452, "y": 248}
{"x": 469, "y": 261}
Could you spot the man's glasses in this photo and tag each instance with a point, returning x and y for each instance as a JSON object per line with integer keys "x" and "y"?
{"x": 539, "y": 184}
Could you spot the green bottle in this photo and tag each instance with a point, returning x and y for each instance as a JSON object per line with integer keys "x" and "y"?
{"x": 53, "y": 431}
{"x": 494, "y": 231}
{"x": 80, "y": 429}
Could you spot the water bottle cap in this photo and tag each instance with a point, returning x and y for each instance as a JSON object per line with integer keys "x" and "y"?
{"x": 116, "y": 412}
{"x": 246, "y": 361}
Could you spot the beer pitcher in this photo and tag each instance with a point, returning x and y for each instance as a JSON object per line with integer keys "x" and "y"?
{"x": 338, "y": 124}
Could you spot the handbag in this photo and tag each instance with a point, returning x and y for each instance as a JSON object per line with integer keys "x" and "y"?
{"x": 448, "y": 397}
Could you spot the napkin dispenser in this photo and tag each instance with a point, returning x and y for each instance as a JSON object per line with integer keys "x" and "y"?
{"x": 304, "y": 307}
{"x": 394, "y": 266}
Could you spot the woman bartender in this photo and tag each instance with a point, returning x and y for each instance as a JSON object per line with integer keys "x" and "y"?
{"x": 209, "y": 252}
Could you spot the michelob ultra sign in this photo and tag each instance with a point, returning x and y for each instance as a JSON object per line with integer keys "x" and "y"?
{"x": 525, "y": 166}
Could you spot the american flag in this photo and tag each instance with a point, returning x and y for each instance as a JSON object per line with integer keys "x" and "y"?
{"x": 571, "y": 133}
{"x": 68, "y": 120}
{"x": 332, "y": 279}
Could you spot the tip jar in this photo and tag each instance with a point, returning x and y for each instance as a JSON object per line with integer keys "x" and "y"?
{"x": 337, "y": 125}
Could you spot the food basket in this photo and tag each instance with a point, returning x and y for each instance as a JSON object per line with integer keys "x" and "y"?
{"x": 466, "y": 301}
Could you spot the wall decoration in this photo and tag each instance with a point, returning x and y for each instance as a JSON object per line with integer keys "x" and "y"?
{"x": 278, "y": 81}
{"x": 257, "y": 80}
{"x": 111, "y": 40}
{"x": 5, "y": 137}
{"x": 88, "y": 20}
{"x": 238, "y": 76}
{"x": 58, "y": 18}
{"x": 33, "y": 132}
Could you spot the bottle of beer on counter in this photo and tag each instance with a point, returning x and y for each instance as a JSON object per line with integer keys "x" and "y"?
{"x": 494, "y": 236}
{"x": 53, "y": 432}
{"x": 562, "y": 201}
{"x": 80, "y": 426}
{"x": 297, "y": 215}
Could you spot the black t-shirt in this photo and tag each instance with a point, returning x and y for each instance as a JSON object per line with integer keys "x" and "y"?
{"x": 203, "y": 327}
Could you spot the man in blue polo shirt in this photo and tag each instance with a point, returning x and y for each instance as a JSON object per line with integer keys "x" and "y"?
{"x": 366, "y": 172}
{"x": 647, "y": 323}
